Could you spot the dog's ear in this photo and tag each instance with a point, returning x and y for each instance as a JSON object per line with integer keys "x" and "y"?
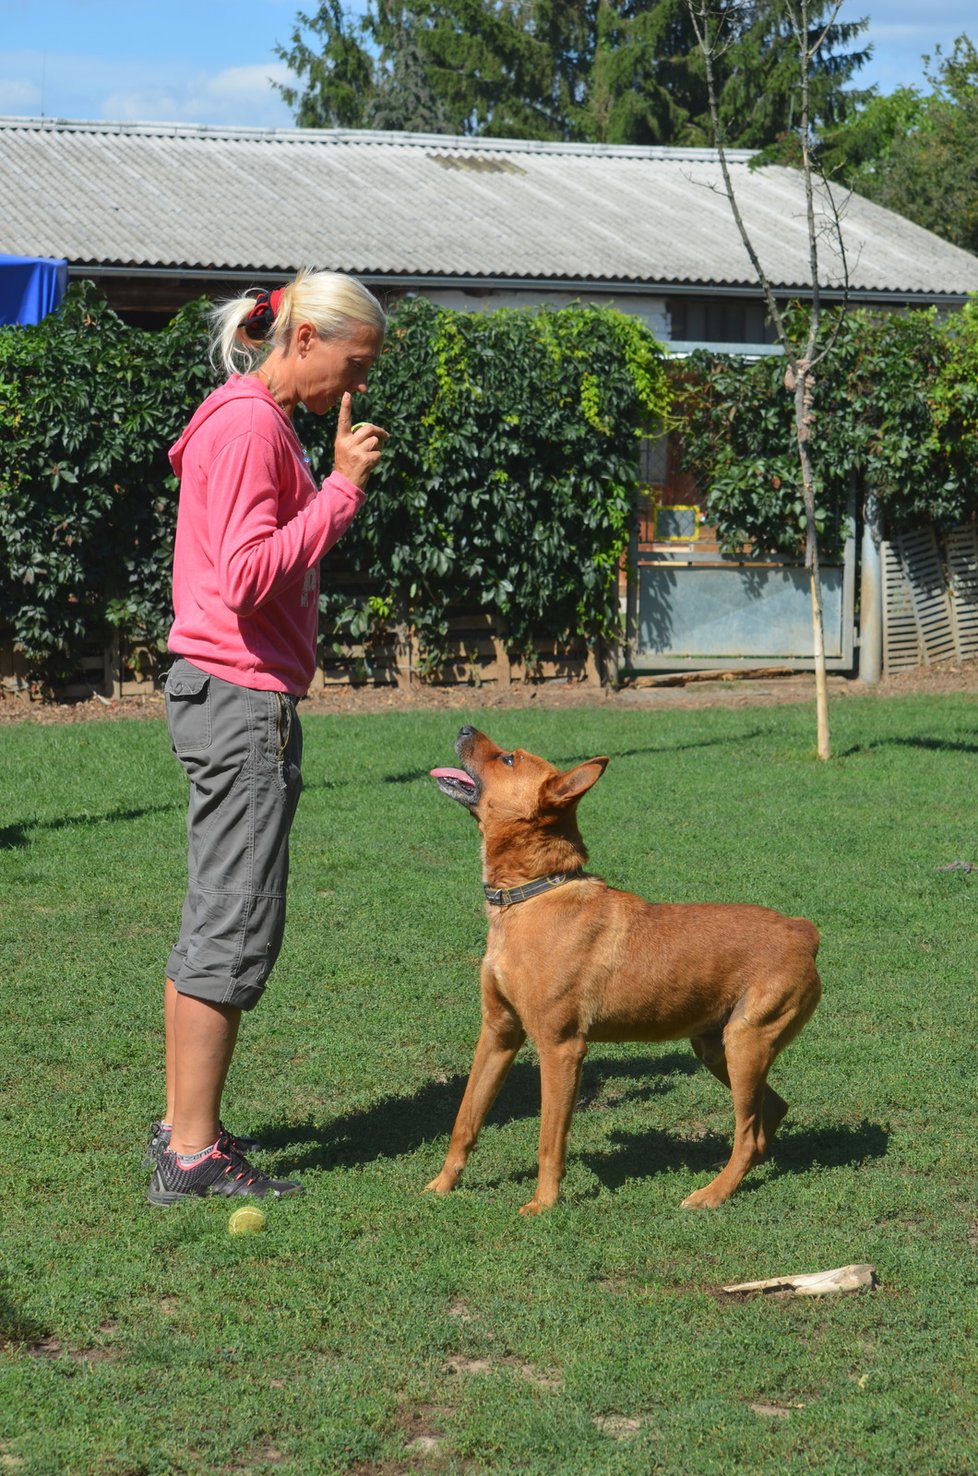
{"x": 570, "y": 786}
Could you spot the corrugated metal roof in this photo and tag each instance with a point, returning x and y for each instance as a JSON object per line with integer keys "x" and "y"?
{"x": 411, "y": 205}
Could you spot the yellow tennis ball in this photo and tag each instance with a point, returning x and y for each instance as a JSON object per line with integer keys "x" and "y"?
{"x": 246, "y": 1221}
{"x": 359, "y": 424}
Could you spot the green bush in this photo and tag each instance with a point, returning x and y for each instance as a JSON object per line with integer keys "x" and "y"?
{"x": 88, "y": 407}
{"x": 508, "y": 486}
{"x": 511, "y": 478}
{"x": 895, "y": 414}
{"x": 954, "y": 394}
{"x": 512, "y": 472}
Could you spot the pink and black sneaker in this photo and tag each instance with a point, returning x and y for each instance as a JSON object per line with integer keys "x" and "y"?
{"x": 224, "y": 1171}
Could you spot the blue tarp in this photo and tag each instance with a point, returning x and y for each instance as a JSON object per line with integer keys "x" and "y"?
{"x": 30, "y": 287}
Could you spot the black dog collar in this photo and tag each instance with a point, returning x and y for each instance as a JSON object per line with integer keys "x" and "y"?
{"x": 507, "y": 896}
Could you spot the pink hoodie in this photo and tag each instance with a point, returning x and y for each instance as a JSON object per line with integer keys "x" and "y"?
{"x": 251, "y": 529}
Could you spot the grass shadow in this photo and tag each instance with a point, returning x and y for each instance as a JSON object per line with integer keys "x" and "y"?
{"x": 838, "y": 1146}
{"x": 13, "y": 837}
{"x": 640, "y": 1154}
{"x": 929, "y": 745}
{"x": 16, "y": 1328}
{"x": 399, "y": 1125}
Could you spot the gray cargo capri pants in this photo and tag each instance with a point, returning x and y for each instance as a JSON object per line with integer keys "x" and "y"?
{"x": 242, "y": 750}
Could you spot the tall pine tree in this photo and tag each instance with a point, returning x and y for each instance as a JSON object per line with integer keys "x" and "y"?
{"x": 601, "y": 71}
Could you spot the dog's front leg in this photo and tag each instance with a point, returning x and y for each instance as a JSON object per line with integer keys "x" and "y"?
{"x": 560, "y": 1077}
{"x": 499, "y": 1041}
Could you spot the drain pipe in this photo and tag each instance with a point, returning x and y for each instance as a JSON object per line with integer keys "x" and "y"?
{"x": 871, "y": 595}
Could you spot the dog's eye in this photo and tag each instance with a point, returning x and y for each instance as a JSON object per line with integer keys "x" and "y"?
{"x": 507, "y": 758}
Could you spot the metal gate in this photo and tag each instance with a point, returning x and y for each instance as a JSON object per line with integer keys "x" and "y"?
{"x": 690, "y": 608}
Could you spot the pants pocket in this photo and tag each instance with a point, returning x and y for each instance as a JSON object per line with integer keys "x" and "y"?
{"x": 188, "y": 710}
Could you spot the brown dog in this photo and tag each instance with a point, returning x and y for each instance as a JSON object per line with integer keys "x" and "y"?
{"x": 570, "y": 960}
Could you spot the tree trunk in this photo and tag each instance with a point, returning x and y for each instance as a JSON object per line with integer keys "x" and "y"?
{"x": 708, "y": 24}
{"x": 804, "y": 390}
{"x": 821, "y": 686}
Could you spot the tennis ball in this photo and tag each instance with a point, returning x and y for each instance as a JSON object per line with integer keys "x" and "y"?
{"x": 246, "y": 1221}
{"x": 359, "y": 424}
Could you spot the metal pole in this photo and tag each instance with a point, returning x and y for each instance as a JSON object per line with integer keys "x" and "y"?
{"x": 871, "y": 596}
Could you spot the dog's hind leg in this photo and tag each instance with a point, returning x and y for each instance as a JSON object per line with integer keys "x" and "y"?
{"x": 761, "y": 1025}
{"x": 499, "y": 1041}
{"x": 710, "y": 1050}
{"x": 748, "y": 1057}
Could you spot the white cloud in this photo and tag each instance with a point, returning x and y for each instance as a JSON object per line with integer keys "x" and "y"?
{"x": 18, "y": 97}
{"x": 241, "y": 81}
{"x": 237, "y": 96}
{"x": 67, "y": 85}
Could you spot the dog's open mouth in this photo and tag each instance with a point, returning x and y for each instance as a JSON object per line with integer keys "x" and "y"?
{"x": 457, "y": 784}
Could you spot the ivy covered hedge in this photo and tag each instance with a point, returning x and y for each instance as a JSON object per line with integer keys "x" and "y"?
{"x": 510, "y": 477}
{"x": 508, "y": 485}
{"x": 895, "y": 413}
{"x": 88, "y": 407}
{"x": 510, "y": 481}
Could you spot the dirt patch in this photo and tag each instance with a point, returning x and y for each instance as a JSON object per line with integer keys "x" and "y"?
{"x": 619, "y": 1427}
{"x": 731, "y": 689}
{"x": 52, "y": 1347}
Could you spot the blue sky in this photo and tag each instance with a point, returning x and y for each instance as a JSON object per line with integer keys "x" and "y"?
{"x": 210, "y": 61}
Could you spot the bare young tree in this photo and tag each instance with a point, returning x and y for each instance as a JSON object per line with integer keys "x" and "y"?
{"x": 710, "y": 19}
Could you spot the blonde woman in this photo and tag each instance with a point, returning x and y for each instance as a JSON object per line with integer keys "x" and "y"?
{"x": 252, "y": 526}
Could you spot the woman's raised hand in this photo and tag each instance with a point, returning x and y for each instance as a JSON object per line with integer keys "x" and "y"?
{"x": 358, "y": 448}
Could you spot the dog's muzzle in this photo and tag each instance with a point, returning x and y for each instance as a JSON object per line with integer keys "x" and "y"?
{"x": 458, "y": 784}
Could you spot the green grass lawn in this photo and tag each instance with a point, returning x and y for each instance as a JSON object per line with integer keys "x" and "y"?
{"x": 372, "y": 1328}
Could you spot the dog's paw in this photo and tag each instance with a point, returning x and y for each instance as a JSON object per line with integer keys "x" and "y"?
{"x": 443, "y": 1184}
{"x": 533, "y": 1208}
{"x": 702, "y": 1199}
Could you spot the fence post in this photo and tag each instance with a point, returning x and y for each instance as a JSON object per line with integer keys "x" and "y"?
{"x": 403, "y": 644}
{"x": 504, "y": 664}
{"x": 114, "y": 668}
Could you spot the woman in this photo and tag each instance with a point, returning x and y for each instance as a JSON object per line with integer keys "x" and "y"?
{"x": 252, "y": 527}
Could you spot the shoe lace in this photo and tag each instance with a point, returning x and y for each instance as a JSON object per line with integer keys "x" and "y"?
{"x": 237, "y": 1141}
{"x": 238, "y": 1165}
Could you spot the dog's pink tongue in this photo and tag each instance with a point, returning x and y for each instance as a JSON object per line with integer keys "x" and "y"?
{"x": 456, "y": 774}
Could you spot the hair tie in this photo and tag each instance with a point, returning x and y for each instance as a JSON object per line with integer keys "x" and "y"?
{"x": 258, "y": 322}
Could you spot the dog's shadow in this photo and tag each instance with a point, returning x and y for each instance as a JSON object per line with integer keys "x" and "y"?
{"x": 397, "y": 1126}
{"x": 637, "y": 1155}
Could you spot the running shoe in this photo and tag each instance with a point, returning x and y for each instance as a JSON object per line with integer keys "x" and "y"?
{"x": 224, "y": 1171}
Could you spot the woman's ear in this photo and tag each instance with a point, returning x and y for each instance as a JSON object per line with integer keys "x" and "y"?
{"x": 304, "y": 336}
